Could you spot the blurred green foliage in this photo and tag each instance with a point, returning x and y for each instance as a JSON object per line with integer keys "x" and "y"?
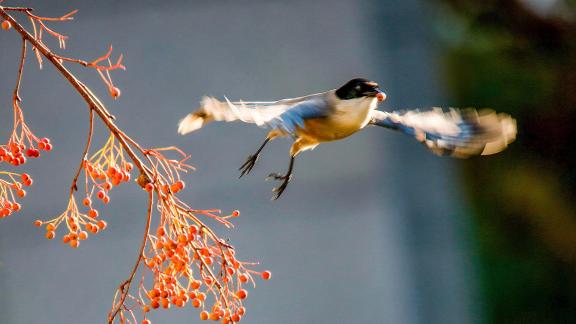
{"x": 515, "y": 59}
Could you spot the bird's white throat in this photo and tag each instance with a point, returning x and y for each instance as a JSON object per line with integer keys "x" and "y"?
{"x": 356, "y": 111}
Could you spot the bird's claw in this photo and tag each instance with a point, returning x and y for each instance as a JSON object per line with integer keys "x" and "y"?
{"x": 280, "y": 189}
{"x": 275, "y": 176}
{"x": 248, "y": 165}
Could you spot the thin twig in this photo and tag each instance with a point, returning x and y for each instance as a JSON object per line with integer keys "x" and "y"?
{"x": 16, "y": 96}
{"x": 73, "y": 187}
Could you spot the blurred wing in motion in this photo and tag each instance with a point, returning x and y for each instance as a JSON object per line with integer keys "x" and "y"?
{"x": 254, "y": 112}
{"x": 458, "y": 133}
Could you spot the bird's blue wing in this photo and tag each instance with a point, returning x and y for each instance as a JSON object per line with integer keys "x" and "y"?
{"x": 459, "y": 133}
{"x": 295, "y": 116}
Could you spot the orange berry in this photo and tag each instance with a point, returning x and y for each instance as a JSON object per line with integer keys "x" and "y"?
{"x": 50, "y": 235}
{"x": 93, "y": 213}
{"x": 236, "y": 318}
{"x": 201, "y": 296}
{"x": 160, "y": 231}
{"x": 214, "y": 316}
{"x": 243, "y": 277}
{"x": 115, "y": 182}
{"x": 195, "y": 284}
{"x": 6, "y": 25}
{"x": 37, "y": 223}
{"x": 177, "y": 186}
{"x": 74, "y": 243}
{"x": 106, "y": 199}
{"x": 204, "y": 315}
{"x": 196, "y": 303}
{"x": 155, "y": 304}
{"x": 87, "y": 202}
{"x": 21, "y": 193}
{"x": 266, "y": 275}
{"x": 66, "y": 239}
{"x": 205, "y": 252}
{"x": 115, "y": 92}
{"x": 102, "y": 224}
{"x": 242, "y": 294}
{"x": 165, "y": 303}
{"x": 83, "y": 235}
{"x": 236, "y": 213}
{"x": 154, "y": 293}
{"x": 208, "y": 280}
{"x": 241, "y": 311}
{"x": 128, "y": 166}
{"x": 112, "y": 171}
{"x": 16, "y": 186}
{"x": 16, "y": 207}
{"x": 50, "y": 227}
{"x": 146, "y": 321}
{"x": 149, "y": 187}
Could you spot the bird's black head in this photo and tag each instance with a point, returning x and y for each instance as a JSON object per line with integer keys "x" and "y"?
{"x": 358, "y": 88}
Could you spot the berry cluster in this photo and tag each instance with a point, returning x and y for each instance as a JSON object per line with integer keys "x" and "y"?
{"x": 77, "y": 224}
{"x": 16, "y": 153}
{"x": 103, "y": 171}
{"x": 106, "y": 169}
{"x": 191, "y": 265}
{"x": 10, "y": 190}
{"x": 22, "y": 143}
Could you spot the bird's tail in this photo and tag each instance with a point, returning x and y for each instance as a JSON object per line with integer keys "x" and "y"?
{"x": 192, "y": 122}
{"x": 212, "y": 109}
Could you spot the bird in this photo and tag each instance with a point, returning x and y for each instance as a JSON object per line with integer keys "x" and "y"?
{"x": 339, "y": 113}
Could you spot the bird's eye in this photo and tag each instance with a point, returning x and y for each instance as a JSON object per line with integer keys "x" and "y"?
{"x": 358, "y": 88}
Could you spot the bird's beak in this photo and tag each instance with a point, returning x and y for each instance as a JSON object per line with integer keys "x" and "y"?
{"x": 380, "y": 95}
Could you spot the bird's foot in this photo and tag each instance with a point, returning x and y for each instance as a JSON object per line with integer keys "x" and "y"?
{"x": 280, "y": 189}
{"x": 248, "y": 165}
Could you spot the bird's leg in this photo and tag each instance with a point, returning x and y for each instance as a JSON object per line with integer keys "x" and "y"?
{"x": 251, "y": 160}
{"x": 285, "y": 179}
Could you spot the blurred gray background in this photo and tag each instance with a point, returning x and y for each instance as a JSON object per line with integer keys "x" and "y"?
{"x": 371, "y": 230}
